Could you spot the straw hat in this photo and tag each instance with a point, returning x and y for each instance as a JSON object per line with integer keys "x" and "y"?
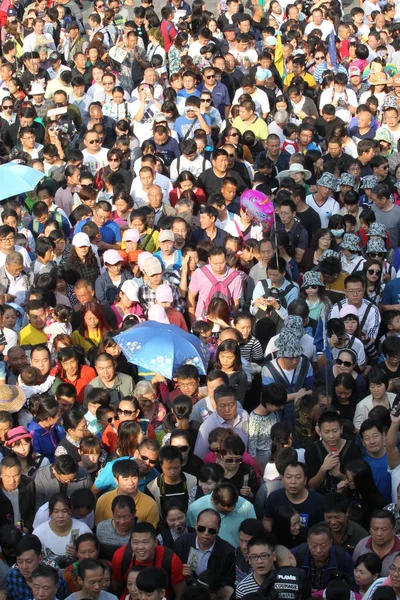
{"x": 379, "y": 79}
{"x": 12, "y": 398}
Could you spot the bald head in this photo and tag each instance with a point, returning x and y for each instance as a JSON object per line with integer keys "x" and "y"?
{"x": 155, "y": 196}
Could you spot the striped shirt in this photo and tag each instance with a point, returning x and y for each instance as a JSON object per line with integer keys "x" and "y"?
{"x": 247, "y": 586}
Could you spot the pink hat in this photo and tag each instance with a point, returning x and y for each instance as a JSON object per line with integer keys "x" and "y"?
{"x": 142, "y": 257}
{"x": 112, "y": 257}
{"x": 347, "y": 310}
{"x": 16, "y": 434}
{"x": 131, "y": 235}
{"x": 354, "y": 71}
{"x": 164, "y": 293}
{"x": 157, "y": 313}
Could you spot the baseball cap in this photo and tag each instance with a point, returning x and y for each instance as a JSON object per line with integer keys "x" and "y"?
{"x": 160, "y": 118}
{"x": 55, "y": 56}
{"x": 131, "y": 290}
{"x": 12, "y": 12}
{"x": 81, "y": 240}
{"x": 152, "y": 266}
{"x": 354, "y": 71}
{"x": 112, "y": 257}
{"x": 157, "y": 313}
{"x": 164, "y": 293}
{"x": 348, "y": 310}
{"x": 143, "y": 256}
{"x": 131, "y": 235}
{"x": 166, "y": 235}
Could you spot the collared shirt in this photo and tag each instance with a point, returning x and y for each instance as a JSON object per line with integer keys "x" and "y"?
{"x": 204, "y": 556}
{"x": 240, "y": 426}
{"x": 18, "y": 589}
{"x": 17, "y": 287}
{"x": 147, "y": 297}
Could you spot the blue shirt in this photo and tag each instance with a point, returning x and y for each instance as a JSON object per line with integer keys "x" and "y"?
{"x": 183, "y": 124}
{"x": 220, "y": 97}
{"x": 110, "y": 232}
{"x": 105, "y": 479}
{"x": 382, "y": 478}
{"x": 184, "y": 94}
{"x": 176, "y": 264}
{"x": 391, "y": 293}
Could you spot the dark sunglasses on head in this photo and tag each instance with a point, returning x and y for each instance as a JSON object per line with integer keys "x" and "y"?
{"x": 234, "y": 460}
{"x": 374, "y": 271}
{"x": 147, "y": 459}
{"x": 203, "y": 529}
{"x": 344, "y": 363}
{"x": 126, "y": 413}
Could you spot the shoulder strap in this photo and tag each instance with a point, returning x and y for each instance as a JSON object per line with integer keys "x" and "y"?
{"x": 265, "y": 286}
{"x": 209, "y": 275}
{"x": 166, "y": 563}
{"x": 300, "y": 554}
{"x": 345, "y": 450}
{"x": 303, "y": 369}
{"x": 126, "y": 560}
{"x": 364, "y": 319}
{"x": 178, "y": 164}
{"x": 189, "y": 131}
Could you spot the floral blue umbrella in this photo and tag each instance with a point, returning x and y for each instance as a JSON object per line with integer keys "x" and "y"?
{"x": 162, "y": 348}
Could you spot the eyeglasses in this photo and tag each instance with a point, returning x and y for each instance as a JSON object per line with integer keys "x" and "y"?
{"x": 114, "y": 160}
{"x": 147, "y": 459}
{"x": 344, "y": 363}
{"x": 209, "y": 76}
{"x": 183, "y": 448}
{"x": 234, "y": 460}
{"x": 206, "y": 100}
{"x": 83, "y": 428}
{"x": 93, "y": 141}
{"x": 376, "y": 254}
{"x": 310, "y": 287}
{"x": 203, "y": 529}
{"x": 126, "y": 413}
{"x": 374, "y": 271}
{"x": 259, "y": 557}
{"x": 355, "y": 292}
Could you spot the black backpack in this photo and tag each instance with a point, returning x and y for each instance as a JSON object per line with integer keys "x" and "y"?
{"x": 286, "y": 583}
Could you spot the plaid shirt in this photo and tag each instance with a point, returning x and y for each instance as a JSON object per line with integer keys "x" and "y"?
{"x": 18, "y": 589}
{"x": 147, "y": 297}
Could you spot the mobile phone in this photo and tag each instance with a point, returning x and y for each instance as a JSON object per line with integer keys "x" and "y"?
{"x": 397, "y": 410}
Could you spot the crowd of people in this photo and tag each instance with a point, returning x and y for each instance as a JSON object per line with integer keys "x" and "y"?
{"x": 270, "y": 468}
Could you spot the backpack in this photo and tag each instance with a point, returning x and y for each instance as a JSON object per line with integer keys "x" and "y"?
{"x": 220, "y": 289}
{"x": 166, "y": 563}
{"x": 328, "y": 483}
{"x": 268, "y": 324}
{"x": 286, "y": 583}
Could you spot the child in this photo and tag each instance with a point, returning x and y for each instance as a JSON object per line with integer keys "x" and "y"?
{"x": 290, "y": 131}
{"x": 203, "y": 330}
{"x": 62, "y": 316}
{"x": 367, "y": 217}
{"x": 107, "y": 576}
{"x": 105, "y": 415}
{"x": 250, "y": 347}
{"x": 45, "y": 252}
{"x": 174, "y": 514}
{"x": 152, "y": 582}
{"x": 165, "y": 298}
{"x": 130, "y": 245}
{"x": 92, "y": 456}
{"x": 391, "y": 318}
{"x": 27, "y": 381}
{"x": 96, "y": 397}
{"x": 351, "y": 258}
{"x": 47, "y": 432}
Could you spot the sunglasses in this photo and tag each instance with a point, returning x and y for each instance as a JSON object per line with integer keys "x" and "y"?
{"x": 344, "y": 363}
{"x": 374, "y": 271}
{"x": 183, "y": 448}
{"x": 147, "y": 459}
{"x": 113, "y": 160}
{"x": 310, "y": 287}
{"x": 320, "y": 57}
{"x": 213, "y": 450}
{"x": 203, "y": 529}
{"x": 234, "y": 461}
{"x": 111, "y": 419}
{"x": 126, "y": 413}
{"x": 94, "y": 141}
{"x": 376, "y": 254}
{"x": 8, "y": 107}
{"x": 233, "y": 134}
{"x": 206, "y": 100}
{"x": 209, "y": 76}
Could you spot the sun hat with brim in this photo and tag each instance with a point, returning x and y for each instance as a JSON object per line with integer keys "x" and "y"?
{"x": 12, "y": 398}
{"x": 389, "y": 102}
{"x": 379, "y": 79}
{"x": 81, "y": 240}
{"x": 348, "y": 310}
{"x": 376, "y": 246}
{"x": 294, "y": 324}
{"x": 294, "y": 168}
{"x": 328, "y": 180}
{"x": 112, "y": 257}
{"x": 288, "y": 345}
{"x": 347, "y": 179}
{"x": 350, "y": 242}
{"x": 369, "y": 182}
{"x": 328, "y": 253}
{"x": 384, "y": 135}
{"x": 312, "y": 278}
{"x": 16, "y": 434}
{"x": 152, "y": 266}
{"x": 37, "y": 89}
{"x": 377, "y": 229}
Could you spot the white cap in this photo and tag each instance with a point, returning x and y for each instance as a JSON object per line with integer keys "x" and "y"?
{"x": 80, "y": 240}
{"x": 131, "y": 290}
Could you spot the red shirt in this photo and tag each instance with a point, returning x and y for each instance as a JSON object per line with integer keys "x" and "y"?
{"x": 169, "y": 33}
{"x": 109, "y": 439}
{"x": 86, "y": 375}
{"x": 176, "y": 566}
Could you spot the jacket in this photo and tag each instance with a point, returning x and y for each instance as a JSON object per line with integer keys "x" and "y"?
{"x": 155, "y": 492}
{"x": 123, "y": 386}
{"x": 26, "y": 499}
{"x": 47, "y": 485}
{"x": 46, "y": 441}
{"x": 5, "y": 282}
{"x": 339, "y": 560}
{"x": 222, "y": 557}
{"x": 105, "y": 288}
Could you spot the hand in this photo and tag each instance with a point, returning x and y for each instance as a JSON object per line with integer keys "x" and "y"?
{"x": 386, "y": 277}
{"x": 331, "y": 461}
{"x": 246, "y": 491}
{"x": 202, "y": 392}
{"x": 9, "y": 298}
{"x": 302, "y": 114}
{"x": 185, "y": 262}
{"x": 333, "y": 340}
{"x": 274, "y": 303}
{"x": 395, "y": 420}
{"x": 187, "y": 571}
{"x": 70, "y": 550}
{"x": 260, "y": 302}
{"x": 158, "y": 379}
{"x": 101, "y": 245}
{"x": 342, "y": 485}
{"x": 301, "y": 393}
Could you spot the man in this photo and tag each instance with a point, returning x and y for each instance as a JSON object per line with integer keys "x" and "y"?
{"x": 80, "y": 69}
{"x": 299, "y": 70}
{"x": 382, "y": 540}
{"x": 63, "y": 475}
{"x": 90, "y": 579}
{"x": 232, "y": 508}
{"x": 286, "y": 290}
{"x": 147, "y": 292}
{"x": 126, "y": 476}
{"x": 193, "y": 119}
{"x": 274, "y": 153}
{"x": 206, "y": 406}
{"x": 187, "y": 378}
{"x": 109, "y": 231}
{"x": 17, "y": 495}
{"x": 258, "y": 96}
{"x": 327, "y": 122}
{"x": 143, "y": 551}
{"x": 295, "y": 494}
{"x": 44, "y": 583}
{"x": 190, "y": 160}
{"x": 227, "y": 415}
{"x": 16, "y": 361}
{"x": 298, "y": 236}
{"x": 249, "y": 121}
{"x": 387, "y": 213}
{"x": 368, "y": 313}
{"x": 248, "y": 529}
{"x": 170, "y": 258}
{"x": 344, "y": 100}
{"x": 84, "y": 293}
{"x": 37, "y": 38}
{"x": 32, "y": 334}
{"x": 56, "y": 65}
{"x": 19, "y": 579}
{"x": 335, "y": 152}
{"x": 320, "y": 558}
{"x": 373, "y": 439}
{"x": 261, "y": 559}
{"x": 215, "y": 555}
{"x": 345, "y": 532}
{"x": 75, "y": 42}
{"x": 323, "y": 201}
{"x": 118, "y": 384}
{"x": 317, "y": 21}
{"x": 219, "y": 92}
{"x": 205, "y": 280}
{"x": 41, "y": 360}
{"x": 14, "y": 284}
{"x": 303, "y": 107}
{"x": 95, "y": 157}
{"x": 208, "y": 230}
{"x": 161, "y": 209}
{"x": 259, "y": 271}
{"x": 32, "y": 71}
{"x": 210, "y": 180}
{"x": 79, "y": 98}
{"x": 307, "y": 216}
{"x": 173, "y": 482}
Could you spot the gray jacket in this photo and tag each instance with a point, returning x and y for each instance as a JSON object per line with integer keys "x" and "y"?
{"x": 5, "y": 282}
{"x": 123, "y": 386}
{"x": 47, "y": 485}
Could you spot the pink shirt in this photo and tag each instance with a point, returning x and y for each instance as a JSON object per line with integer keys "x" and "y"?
{"x": 200, "y": 285}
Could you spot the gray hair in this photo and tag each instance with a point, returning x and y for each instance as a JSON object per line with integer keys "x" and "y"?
{"x": 14, "y": 258}
{"x": 281, "y": 116}
{"x": 144, "y": 387}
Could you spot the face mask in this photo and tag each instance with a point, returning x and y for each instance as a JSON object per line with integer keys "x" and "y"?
{"x": 337, "y": 232}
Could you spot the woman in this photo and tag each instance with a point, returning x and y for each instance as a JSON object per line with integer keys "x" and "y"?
{"x": 312, "y": 291}
{"x": 179, "y": 48}
{"x": 348, "y": 146}
{"x": 182, "y": 439}
{"x": 379, "y": 396}
{"x": 209, "y": 476}
{"x": 123, "y": 207}
{"x": 344, "y": 395}
{"x": 110, "y": 346}
{"x": 360, "y": 489}
{"x": 62, "y": 252}
{"x": 82, "y": 262}
{"x": 236, "y": 472}
{"x": 345, "y": 362}
{"x": 367, "y": 569}
{"x": 117, "y": 108}
{"x": 93, "y": 327}
{"x": 321, "y": 240}
{"x": 151, "y": 408}
{"x": 130, "y": 434}
{"x": 64, "y": 197}
{"x": 186, "y": 181}
{"x": 128, "y": 410}
{"x": 59, "y": 533}
{"x": 250, "y": 347}
{"x": 19, "y": 441}
{"x": 148, "y": 237}
{"x": 76, "y": 428}
{"x": 156, "y": 46}
{"x": 108, "y": 283}
{"x": 229, "y": 361}
{"x": 378, "y": 88}
{"x": 373, "y": 276}
{"x": 286, "y": 527}
{"x": 173, "y": 523}
{"x": 71, "y": 370}
{"x": 46, "y": 431}
{"x": 127, "y": 302}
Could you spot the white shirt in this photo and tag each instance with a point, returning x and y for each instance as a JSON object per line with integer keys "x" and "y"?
{"x": 21, "y": 250}
{"x": 251, "y": 54}
{"x": 326, "y": 27}
{"x": 33, "y": 41}
{"x": 11, "y": 339}
{"x": 260, "y": 99}
{"x": 329, "y": 208}
{"x": 54, "y": 545}
{"x": 348, "y": 96}
{"x": 17, "y": 288}
{"x": 95, "y": 161}
{"x": 196, "y": 166}
{"x": 140, "y": 196}
{"x": 143, "y": 129}
{"x": 42, "y": 515}
{"x": 306, "y": 342}
{"x": 235, "y": 226}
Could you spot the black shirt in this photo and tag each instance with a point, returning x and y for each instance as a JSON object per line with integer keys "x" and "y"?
{"x": 210, "y": 183}
{"x": 324, "y": 129}
{"x": 199, "y": 234}
{"x": 310, "y": 220}
{"x": 316, "y": 454}
{"x": 87, "y": 76}
{"x": 27, "y": 78}
{"x": 311, "y": 509}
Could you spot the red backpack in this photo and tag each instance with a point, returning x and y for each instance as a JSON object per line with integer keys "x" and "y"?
{"x": 220, "y": 289}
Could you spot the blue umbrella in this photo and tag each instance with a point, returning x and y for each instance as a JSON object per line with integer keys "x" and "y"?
{"x": 162, "y": 348}
{"x": 16, "y": 179}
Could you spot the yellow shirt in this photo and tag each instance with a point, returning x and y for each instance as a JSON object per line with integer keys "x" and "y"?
{"x": 79, "y": 340}
{"x": 309, "y": 79}
{"x": 146, "y": 508}
{"x": 30, "y": 336}
{"x": 259, "y": 127}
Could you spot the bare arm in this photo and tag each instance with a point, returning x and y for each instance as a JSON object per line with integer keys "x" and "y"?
{"x": 393, "y": 455}
{"x": 179, "y": 588}
{"x": 191, "y": 304}
{"x": 267, "y": 523}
